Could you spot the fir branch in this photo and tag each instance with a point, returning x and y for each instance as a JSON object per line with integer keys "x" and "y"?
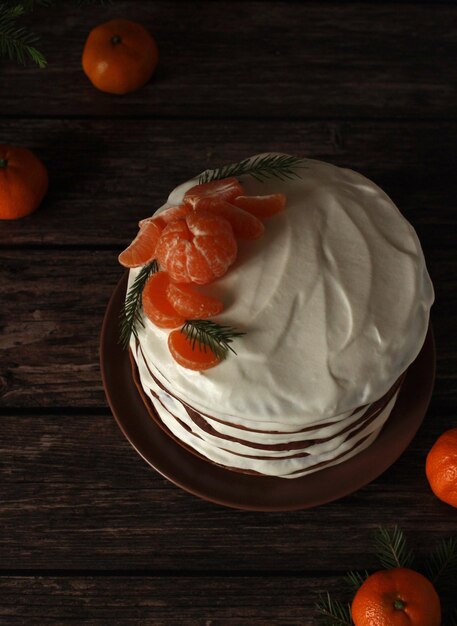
{"x": 354, "y": 580}
{"x": 443, "y": 562}
{"x": 261, "y": 168}
{"x": 332, "y": 612}
{"x": 391, "y": 548}
{"x": 131, "y": 311}
{"x": 206, "y": 333}
{"x": 17, "y": 42}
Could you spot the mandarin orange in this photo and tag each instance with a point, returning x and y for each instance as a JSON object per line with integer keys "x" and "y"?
{"x": 226, "y": 189}
{"x": 244, "y": 224}
{"x": 119, "y": 56}
{"x": 142, "y": 249}
{"x": 23, "y": 182}
{"x": 189, "y": 355}
{"x": 396, "y": 597}
{"x": 198, "y": 249}
{"x": 441, "y": 467}
{"x": 192, "y": 304}
{"x": 156, "y": 305}
{"x": 262, "y": 207}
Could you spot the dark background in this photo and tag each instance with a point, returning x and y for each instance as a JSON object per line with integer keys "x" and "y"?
{"x": 88, "y": 532}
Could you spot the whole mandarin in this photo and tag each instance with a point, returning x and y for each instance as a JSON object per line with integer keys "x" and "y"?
{"x": 119, "y": 56}
{"x": 441, "y": 467}
{"x": 396, "y": 597}
{"x": 23, "y": 182}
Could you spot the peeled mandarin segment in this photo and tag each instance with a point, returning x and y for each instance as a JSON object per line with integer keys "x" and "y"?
{"x": 214, "y": 240}
{"x": 225, "y": 189}
{"x": 262, "y": 207}
{"x": 172, "y": 235}
{"x": 195, "y": 358}
{"x": 156, "y": 305}
{"x": 169, "y": 215}
{"x": 198, "y": 270}
{"x": 191, "y": 304}
{"x": 245, "y": 225}
{"x": 198, "y": 249}
{"x": 143, "y": 247}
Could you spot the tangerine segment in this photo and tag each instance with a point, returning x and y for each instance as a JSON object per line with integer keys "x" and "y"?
{"x": 169, "y": 215}
{"x": 156, "y": 305}
{"x": 192, "y": 358}
{"x": 191, "y": 304}
{"x": 226, "y": 189}
{"x": 245, "y": 225}
{"x": 143, "y": 247}
{"x": 198, "y": 249}
{"x": 262, "y": 207}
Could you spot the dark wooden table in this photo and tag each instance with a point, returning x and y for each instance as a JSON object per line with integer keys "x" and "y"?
{"x": 89, "y": 533}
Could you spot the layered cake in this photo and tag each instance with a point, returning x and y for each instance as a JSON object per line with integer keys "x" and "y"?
{"x": 333, "y": 300}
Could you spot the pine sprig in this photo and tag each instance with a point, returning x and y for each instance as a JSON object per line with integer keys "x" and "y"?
{"x": 391, "y": 548}
{"x": 354, "y": 580}
{"x": 208, "y": 334}
{"x": 332, "y": 612}
{"x": 17, "y": 42}
{"x": 443, "y": 562}
{"x": 131, "y": 311}
{"x": 282, "y": 166}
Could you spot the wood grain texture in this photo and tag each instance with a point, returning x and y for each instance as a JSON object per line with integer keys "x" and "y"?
{"x": 164, "y": 601}
{"x": 158, "y": 601}
{"x": 53, "y": 303}
{"x": 89, "y": 532}
{"x": 254, "y": 59}
{"x": 107, "y": 174}
{"x": 75, "y": 495}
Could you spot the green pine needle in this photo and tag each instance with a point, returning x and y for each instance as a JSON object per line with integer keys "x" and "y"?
{"x": 442, "y": 562}
{"x": 391, "y": 548}
{"x": 332, "y": 612}
{"x": 17, "y": 42}
{"x": 282, "y": 166}
{"x": 354, "y": 580}
{"x": 206, "y": 333}
{"x": 131, "y": 311}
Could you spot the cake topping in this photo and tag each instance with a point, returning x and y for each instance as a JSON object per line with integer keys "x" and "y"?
{"x": 198, "y": 249}
{"x": 226, "y": 189}
{"x": 156, "y": 305}
{"x": 195, "y": 242}
{"x": 262, "y": 207}
{"x": 245, "y": 225}
{"x": 191, "y": 303}
{"x": 193, "y": 357}
{"x": 142, "y": 248}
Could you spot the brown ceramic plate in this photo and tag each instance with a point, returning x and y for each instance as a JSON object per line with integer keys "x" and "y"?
{"x": 243, "y": 491}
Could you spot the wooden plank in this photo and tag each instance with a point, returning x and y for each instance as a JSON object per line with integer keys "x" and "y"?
{"x": 107, "y": 174}
{"x": 280, "y": 59}
{"x": 165, "y": 601}
{"x": 161, "y": 601}
{"x": 75, "y": 495}
{"x": 53, "y": 304}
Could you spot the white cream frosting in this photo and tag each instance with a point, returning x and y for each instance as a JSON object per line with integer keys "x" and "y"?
{"x": 334, "y": 300}
{"x": 340, "y": 445}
